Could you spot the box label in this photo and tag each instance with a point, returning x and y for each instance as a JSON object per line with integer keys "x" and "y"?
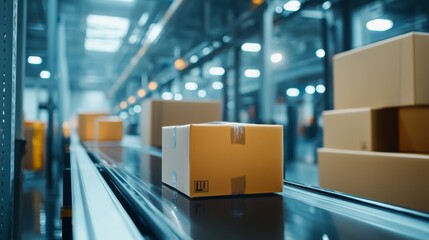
{"x": 201, "y": 186}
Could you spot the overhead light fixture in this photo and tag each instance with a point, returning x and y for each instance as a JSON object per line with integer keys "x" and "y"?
{"x": 257, "y": 2}
{"x": 178, "y": 97}
{"x": 106, "y": 27}
{"x": 180, "y": 64}
{"x": 310, "y": 89}
{"x": 217, "y": 71}
{"x": 252, "y": 73}
{"x": 123, "y": 105}
{"x": 379, "y": 25}
{"x": 153, "y": 33}
{"x": 207, "y": 51}
{"x": 152, "y": 86}
{"x": 34, "y": 60}
{"x": 167, "y": 96}
{"x": 133, "y": 39}
{"x": 279, "y": 9}
{"x": 137, "y": 108}
{"x": 226, "y": 39}
{"x": 326, "y": 5}
{"x": 251, "y": 47}
{"x": 123, "y": 115}
{"x": 131, "y": 99}
{"x": 45, "y": 74}
{"x": 292, "y": 6}
{"x": 131, "y": 111}
{"x": 320, "y": 53}
{"x": 143, "y": 19}
{"x": 193, "y": 59}
{"x": 191, "y": 86}
{"x": 216, "y": 44}
{"x": 141, "y": 93}
{"x": 320, "y": 88}
{"x": 217, "y": 85}
{"x": 292, "y": 92}
{"x": 276, "y": 57}
{"x": 102, "y": 45}
{"x": 202, "y": 93}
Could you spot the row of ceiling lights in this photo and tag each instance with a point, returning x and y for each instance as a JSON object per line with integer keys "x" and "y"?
{"x": 310, "y": 89}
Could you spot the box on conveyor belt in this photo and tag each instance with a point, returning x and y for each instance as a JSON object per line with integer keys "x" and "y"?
{"x": 34, "y": 156}
{"x": 389, "y": 73}
{"x": 400, "y": 179}
{"x": 158, "y": 113}
{"x": 109, "y": 128}
{"x": 216, "y": 159}
{"x": 402, "y": 129}
{"x": 86, "y": 125}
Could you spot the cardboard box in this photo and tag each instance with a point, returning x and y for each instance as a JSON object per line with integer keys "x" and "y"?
{"x": 361, "y": 129}
{"x": 401, "y": 129}
{"x": 389, "y": 73}
{"x": 34, "y": 156}
{"x": 414, "y": 129}
{"x": 203, "y": 160}
{"x": 158, "y": 113}
{"x": 86, "y": 125}
{"x": 109, "y": 128}
{"x": 396, "y": 178}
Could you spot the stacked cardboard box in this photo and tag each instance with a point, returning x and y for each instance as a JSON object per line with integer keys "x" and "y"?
{"x": 376, "y": 140}
{"x": 99, "y": 127}
{"x": 34, "y": 156}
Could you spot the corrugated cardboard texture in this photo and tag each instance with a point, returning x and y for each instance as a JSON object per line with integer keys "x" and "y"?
{"x": 385, "y": 74}
{"x": 414, "y": 129}
{"x": 362, "y": 129}
{"x": 86, "y": 125}
{"x": 394, "y": 178}
{"x": 109, "y": 129}
{"x": 219, "y": 167}
{"x": 159, "y": 113}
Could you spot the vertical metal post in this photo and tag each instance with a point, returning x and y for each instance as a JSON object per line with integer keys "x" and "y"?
{"x": 8, "y": 45}
{"x": 237, "y": 96}
{"x": 267, "y": 93}
{"x": 327, "y": 64}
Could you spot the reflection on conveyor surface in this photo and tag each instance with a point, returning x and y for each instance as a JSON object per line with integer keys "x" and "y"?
{"x": 293, "y": 214}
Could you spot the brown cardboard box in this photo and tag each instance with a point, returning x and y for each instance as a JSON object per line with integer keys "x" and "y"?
{"x": 109, "y": 128}
{"x": 361, "y": 129}
{"x": 86, "y": 124}
{"x": 401, "y": 129}
{"x": 223, "y": 159}
{"x": 396, "y": 178}
{"x": 158, "y": 113}
{"x": 414, "y": 129}
{"x": 34, "y": 156}
{"x": 389, "y": 73}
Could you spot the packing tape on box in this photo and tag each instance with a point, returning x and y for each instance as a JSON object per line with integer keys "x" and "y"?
{"x": 238, "y": 134}
{"x": 238, "y": 185}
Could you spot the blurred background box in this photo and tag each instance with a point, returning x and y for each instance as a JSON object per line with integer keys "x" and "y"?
{"x": 109, "y": 128}
{"x": 414, "y": 129}
{"x": 389, "y": 73}
{"x": 86, "y": 124}
{"x": 396, "y": 178}
{"x": 34, "y": 156}
{"x": 158, "y": 113}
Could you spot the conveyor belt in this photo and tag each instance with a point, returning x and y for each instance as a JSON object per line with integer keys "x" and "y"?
{"x": 293, "y": 214}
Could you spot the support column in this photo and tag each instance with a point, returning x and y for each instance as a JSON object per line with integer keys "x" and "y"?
{"x": 267, "y": 93}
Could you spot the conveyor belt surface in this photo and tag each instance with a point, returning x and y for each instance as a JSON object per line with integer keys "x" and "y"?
{"x": 293, "y": 214}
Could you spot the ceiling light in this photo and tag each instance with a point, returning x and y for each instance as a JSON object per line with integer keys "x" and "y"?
{"x": 131, "y": 111}
{"x": 133, "y": 39}
{"x": 279, "y": 10}
{"x": 193, "y": 59}
{"x": 131, "y": 99}
{"x": 217, "y": 71}
{"x": 123, "y": 115}
{"x": 45, "y": 74}
{"x": 202, "y": 93}
{"x": 320, "y": 88}
{"x": 379, "y": 25}
{"x": 34, "y": 60}
{"x": 206, "y": 51}
{"x": 252, "y": 73}
{"x": 152, "y": 86}
{"x": 143, "y": 19}
{"x": 137, "y": 108}
{"x": 276, "y": 57}
{"x": 153, "y": 32}
{"x": 257, "y": 2}
{"x": 102, "y": 45}
{"x": 326, "y": 5}
{"x": 167, "y": 96}
{"x": 292, "y": 6}
{"x": 216, "y": 44}
{"x": 191, "y": 86}
{"x": 217, "y": 85}
{"x": 141, "y": 93}
{"x": 123, "y": 105}
{"x": 178, "y": 97}
{"x": 320, "y": 53}
{"x": 226, "y": 39}
{"x": 251, "y": 47}
{"x": 100, "y": 26}
{"x": 180, "y": 64}
{"x": 292, "y": 92}
{"x": 310, "y": 89}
